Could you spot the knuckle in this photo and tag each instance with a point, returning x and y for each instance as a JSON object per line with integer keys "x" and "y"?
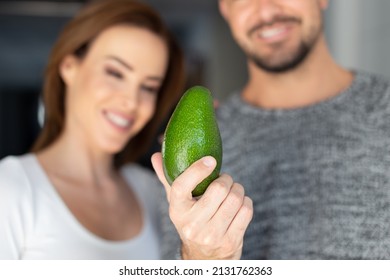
{"x": 218, "y": 188}
{"x": 189, "y": 231}
{"x": 211, "y": 241}
{"x": 208, "y": 241}
{"x": 239, "y": 188}
{"x": 247, "y": 208}
{"x": 237, "y": 195}
{"x": 227, "y": 178}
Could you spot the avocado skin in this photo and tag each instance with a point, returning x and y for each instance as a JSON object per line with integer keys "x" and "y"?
{"x": 192, "y": 133}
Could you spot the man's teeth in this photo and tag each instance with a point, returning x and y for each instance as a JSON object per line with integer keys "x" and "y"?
{"x": 118, "y": 120}
{"x": 268, "y": 33}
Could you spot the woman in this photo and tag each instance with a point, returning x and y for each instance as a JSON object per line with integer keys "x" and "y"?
{"x": 112, "y": 76}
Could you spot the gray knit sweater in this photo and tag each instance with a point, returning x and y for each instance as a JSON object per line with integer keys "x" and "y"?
{"x": 319, "y": 176}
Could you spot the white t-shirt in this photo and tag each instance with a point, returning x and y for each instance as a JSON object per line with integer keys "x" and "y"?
{"x": 35, "y": 223}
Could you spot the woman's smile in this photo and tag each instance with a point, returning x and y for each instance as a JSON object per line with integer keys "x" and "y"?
{"x": 119, "y": 121}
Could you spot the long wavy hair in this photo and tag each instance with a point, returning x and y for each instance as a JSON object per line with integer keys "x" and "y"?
{"x": 75, "y": 39}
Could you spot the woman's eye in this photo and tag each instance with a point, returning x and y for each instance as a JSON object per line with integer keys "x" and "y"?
{"x": 151, "y": 90}
{"x": 114, "y": 73}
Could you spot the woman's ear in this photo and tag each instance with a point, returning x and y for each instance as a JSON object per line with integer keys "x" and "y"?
{"x": 68, "y": 68}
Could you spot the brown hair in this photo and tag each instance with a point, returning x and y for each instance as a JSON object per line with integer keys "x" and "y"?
{"x": 75, "y": 38}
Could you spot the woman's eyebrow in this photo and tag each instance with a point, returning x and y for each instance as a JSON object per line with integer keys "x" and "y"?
{"x": 131, "y": 68}
{"x": 121, "y": 61}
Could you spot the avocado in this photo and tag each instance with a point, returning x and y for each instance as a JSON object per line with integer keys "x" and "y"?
{"x": 192, "y": 133}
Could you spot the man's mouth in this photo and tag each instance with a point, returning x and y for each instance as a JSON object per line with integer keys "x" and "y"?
{"x": 268, "y": 33}
{"x": 273, "y": 28}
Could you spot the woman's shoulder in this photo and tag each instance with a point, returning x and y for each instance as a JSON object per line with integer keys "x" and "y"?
{"x": 15, "y": 186}
{"x": 16, "y": 204}
{"x": 13, "y": 177}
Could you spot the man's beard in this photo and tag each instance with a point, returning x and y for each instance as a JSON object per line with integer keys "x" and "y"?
{"x": 286, "y": 61}
{"x": 285, "y": 65}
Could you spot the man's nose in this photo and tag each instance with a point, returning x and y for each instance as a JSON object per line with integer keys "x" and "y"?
{"x": 267, "y": 9}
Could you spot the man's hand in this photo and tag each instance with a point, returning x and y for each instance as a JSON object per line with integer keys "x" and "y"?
{"x": 212, "y": 226}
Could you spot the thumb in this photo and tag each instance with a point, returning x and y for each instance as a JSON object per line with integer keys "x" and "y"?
{"x": 158, "y": 168}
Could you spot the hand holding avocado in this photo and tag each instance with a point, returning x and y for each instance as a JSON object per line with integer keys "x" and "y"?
{"x": 211, "y": 226}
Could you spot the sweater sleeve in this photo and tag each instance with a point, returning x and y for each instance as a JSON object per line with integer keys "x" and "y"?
{"x": 15, "y": 208}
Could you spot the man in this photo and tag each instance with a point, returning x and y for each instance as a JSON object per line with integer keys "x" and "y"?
{"x": 309, "y": 140}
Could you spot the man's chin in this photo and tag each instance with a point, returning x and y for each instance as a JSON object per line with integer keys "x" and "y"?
{"x": 281, "y": 62}
{"x": 279, "y": 67}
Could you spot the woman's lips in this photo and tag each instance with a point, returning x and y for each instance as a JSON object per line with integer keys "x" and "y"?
{"x": 119, "y": 120}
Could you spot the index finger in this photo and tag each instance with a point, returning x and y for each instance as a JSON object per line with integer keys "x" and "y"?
{"x": 158, "y": 168}
{"x": 181, "y": 191}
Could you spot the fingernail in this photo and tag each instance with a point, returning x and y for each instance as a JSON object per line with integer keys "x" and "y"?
{"x": 209, "y": 161}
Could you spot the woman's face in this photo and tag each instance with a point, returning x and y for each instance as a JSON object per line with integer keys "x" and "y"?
{"x": 111, "y": 93}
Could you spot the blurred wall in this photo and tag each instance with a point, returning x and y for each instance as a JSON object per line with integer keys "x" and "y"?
{"x": 359, "y": 34}
{"x": 27, "y": 32}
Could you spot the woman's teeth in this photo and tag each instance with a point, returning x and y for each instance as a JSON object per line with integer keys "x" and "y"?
{"x": 118, "y": 120}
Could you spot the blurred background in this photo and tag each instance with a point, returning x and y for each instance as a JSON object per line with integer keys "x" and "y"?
{"x": 358, "y": 32}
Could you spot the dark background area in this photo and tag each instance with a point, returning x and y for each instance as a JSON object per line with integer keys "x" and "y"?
{"x": 25, "y": 42}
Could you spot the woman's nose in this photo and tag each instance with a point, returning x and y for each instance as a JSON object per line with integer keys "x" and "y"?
{"x": 130, "y": 99}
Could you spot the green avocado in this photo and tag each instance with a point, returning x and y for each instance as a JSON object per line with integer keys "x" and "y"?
{"x": 192, "y": 133}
